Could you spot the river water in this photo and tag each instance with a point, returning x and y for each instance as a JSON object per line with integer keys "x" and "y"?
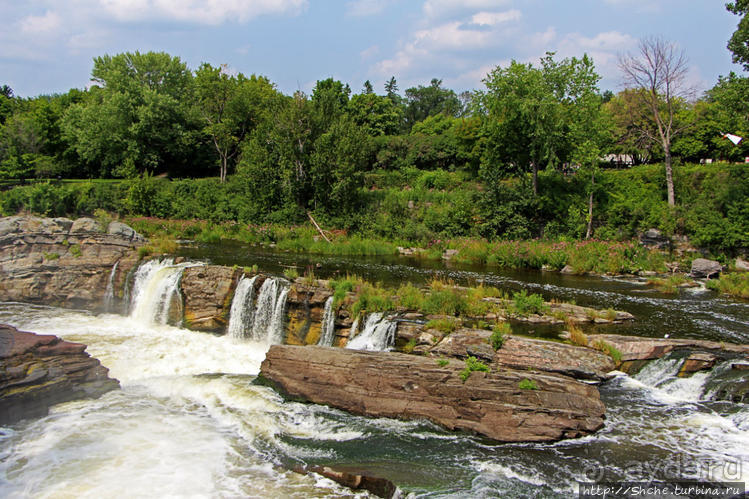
{"x": 190, "y": 422}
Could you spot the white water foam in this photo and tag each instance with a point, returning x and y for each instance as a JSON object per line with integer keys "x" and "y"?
{"x": 327, "y": 327}
{"x": 242, "y": 311}
{"x": 378, "y": 334}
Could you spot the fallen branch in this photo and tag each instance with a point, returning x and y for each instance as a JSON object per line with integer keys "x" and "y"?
{"x": 322, "y": 233}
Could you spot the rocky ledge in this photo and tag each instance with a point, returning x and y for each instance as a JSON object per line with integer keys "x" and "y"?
{"x": 493, "y": 404}
{"x": 38, "y": 371}
{"x": 64, "y": 262}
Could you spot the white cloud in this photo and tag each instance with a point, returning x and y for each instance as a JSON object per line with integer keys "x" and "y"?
{"x": 436, "y": 8}
{"x": 494, "y": 18}
{"x": 369, "y": 52}
{"x": 361, "y": 8}
{"x": 47, "y": 24}
{"x": 199, "y": 11}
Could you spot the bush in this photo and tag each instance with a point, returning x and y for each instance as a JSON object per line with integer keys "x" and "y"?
{"x": 472, "y": 364}
{"x": 731, "y": 284}
{"x": 499, "y": 334}
{"x": 525, "y": 304}
{"x": 446, "y": 326}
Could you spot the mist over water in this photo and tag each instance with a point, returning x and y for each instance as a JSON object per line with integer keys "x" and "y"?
{"x": 190, "y": 421}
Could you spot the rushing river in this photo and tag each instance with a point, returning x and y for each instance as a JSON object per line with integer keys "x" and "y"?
{"x": 190, "y": 422}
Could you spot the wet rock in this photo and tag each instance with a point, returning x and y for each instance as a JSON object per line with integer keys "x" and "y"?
{"x": 449, "y": 254}
{"x": 653, "y": 238}
{"x": 703, "y": 268}
{"x": 356, "y": 480}
{"x": 57, "y": 261}
{"x": 698, "y": 361}
{"x": 38, "y": 371}
{"x": 384, "y": 384}
{"x": 568, "y": 269}
{"x": 207, "y": 292}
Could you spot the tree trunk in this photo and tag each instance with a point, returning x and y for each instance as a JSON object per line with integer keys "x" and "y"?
{"x": 224, "y": 165}
{"x": 669, "y": 177}
{"x": 589, "y": 231}
{"x": 535, "y": 178}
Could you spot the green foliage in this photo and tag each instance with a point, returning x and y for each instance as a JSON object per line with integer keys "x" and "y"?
{"x": 75, "y": 250}
{"x": 527, "y": 384}
{"x": 442, "y": 362}
{"x": 409, "y": 347}
{"x": 472, "y": 364}
{"x": 499, "y": 335}
{"x": 291, "y": 273}
{"x": 446, "y": 326}
{"x": 731, "y": 284}
{"x": 51, "y": 256}
{"x": 608, "y": 349}
{"x": 527, "y": 304}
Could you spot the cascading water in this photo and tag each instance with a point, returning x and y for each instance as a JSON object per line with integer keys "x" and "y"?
{"x": 327, "y": 327}
{"x": 155, "y": 288}
{"x": 378, "y": 334}
{"x": 109, "y": 293}
{"x": 268, "y": 322}
{"x": 242, "y": 312}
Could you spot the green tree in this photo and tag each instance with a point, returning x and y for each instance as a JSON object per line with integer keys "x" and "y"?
{"x": 739, "y": 42}
{"x": 138, "y": 114}
{"x": 377, "y": 114}
{"x": 231, "y": 106}
{"x": 422, "y": 102}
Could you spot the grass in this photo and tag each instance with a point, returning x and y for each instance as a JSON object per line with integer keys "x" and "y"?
{"x": 51, "y": 256}
{"x": 291, "y": 273}
{"x": 609, "y": 350}
{"x": 442, "y": 362}
{"x": 731, "y": 284}
{"x": 670, "y": 285}
{"x": 75, "y": 250}
{"x": 499, "y": 334}
{"x": 577, "y": 337}
{"x": 409, "y": 347}
{"x": 527, "y": 384}
{"x": 472, "y": 364}
{"x": 445, "y": 326}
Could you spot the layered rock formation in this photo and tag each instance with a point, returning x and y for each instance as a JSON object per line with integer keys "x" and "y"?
{"x": 207, "y": 292}
{"x": 492, "y": 404}
{"x": 38, "y": 371}
{"x": 62, "y": 262}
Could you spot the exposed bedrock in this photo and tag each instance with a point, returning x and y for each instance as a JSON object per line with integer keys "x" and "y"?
{"x": 62, "y": 262}
{"x": 386, "y": 384}
{"x": 38, "y": 371}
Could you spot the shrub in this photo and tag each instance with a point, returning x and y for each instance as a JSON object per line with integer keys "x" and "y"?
{"x": 409, "y": 347}
{"x": 499, "y": 334}
{"x": 528, "y": 384}
{"x": 291, "y": 273}
{"x": 527, "y": 304}
{"x": 410, "y": 297}
{"x": 472, "y": 364}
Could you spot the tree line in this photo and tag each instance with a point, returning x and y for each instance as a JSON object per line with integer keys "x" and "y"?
{"x": 149, "y": 114}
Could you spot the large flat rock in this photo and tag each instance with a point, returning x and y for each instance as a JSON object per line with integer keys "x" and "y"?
{"x": 384, "y": 384}
{"x": 207, "y": 291}
{"x": 38, "y": 371}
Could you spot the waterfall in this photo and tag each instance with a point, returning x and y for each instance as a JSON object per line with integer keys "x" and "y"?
{"x": 354, "y": 329}
{"x": 660, "y": 376}
{"x": 109, "y": 293}
{"x": 242, "y": 312}
{"x": 155, "y": 288}
{"x": 378, "y": 334}
{"x": 268, "y": 323}
{"x": 327, "y": 327}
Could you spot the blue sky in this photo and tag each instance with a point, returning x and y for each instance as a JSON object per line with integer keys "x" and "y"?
{"x": 48, "y": 45}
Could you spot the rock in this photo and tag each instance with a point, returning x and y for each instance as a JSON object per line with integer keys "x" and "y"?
{"x": 57, "y": 261}
{"x": 518, "y": 352}
{"x": 698, "y": 361}
{"x": 647, "y": 273}
{"x": 740, "y": 366}
{"x": 636, "y": 349}
{"x": 653, "y": 238}
{"x": 357, "y": 480}
{"x": 85, "y": 225}
{"x": 385, "y": 384}
{"x": 568, "y": 269}
{"x": 703, "y": 268}
{"x": 38, "y": 371}
{"x": 742, "y": 265}
{"x": 124, "y": 231}
{"x": 207, "y": 292}
{"x": 449, "y": 254}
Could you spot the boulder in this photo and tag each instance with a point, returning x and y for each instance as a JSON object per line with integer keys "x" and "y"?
{"x": 61, "y": 262}
{"x": 38, "y": 371}
{"x": 124, "y": 231}
{"x": 85, "y": 225}
{"x": 568, "y": 269}
{"x": 356, "y": 480}
{"x": 395, "y": 385}
{"x": 653, "y": 238}
{"x": 207, "y": 292}
{"x": 742, "y": 264}
{"x": 702, "y": 268}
